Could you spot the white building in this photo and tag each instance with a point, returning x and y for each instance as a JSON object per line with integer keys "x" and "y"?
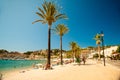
{"x": 109, "y": 51}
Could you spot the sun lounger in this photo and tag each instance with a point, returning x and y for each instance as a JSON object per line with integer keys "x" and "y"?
{"x": 36, "y": 66}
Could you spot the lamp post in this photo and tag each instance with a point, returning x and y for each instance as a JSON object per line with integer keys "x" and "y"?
{"x": 102, "y": 35}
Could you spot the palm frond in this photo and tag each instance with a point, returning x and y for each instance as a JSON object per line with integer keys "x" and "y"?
{"x": 97, "y": 37}
{"x": 52, "y": 10}
{"x": 73, "y": 45}
{"x": 49, "y": 8}
{"x": 56, "y": 30}
{"x": 41, "y": 15}
{"x": 60, "y": 16}
{"x": 98, "y": 42}
{"x": 49, "y": 13}
{"x": 44, "y": 7}
{"x": 38, "y": 21}
{"x": 61, "y": 29}
{"x": 41, "y": 11}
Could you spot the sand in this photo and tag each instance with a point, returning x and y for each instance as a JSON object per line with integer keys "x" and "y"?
{"x": 90, "y": 71}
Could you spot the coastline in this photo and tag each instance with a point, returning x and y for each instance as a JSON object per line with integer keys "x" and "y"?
{"x": 10, "y": 73}
{"x": 90, "y": 71}
{"x": 8, "y": 65}
{"x": 15, "y": 70}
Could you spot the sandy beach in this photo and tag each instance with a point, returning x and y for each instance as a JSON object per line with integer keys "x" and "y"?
{"x": 90, "y": 71}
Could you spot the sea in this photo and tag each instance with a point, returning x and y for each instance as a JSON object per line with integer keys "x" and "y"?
{"x": 8, "y": 65}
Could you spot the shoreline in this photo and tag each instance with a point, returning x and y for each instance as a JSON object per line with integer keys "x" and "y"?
{"x": 11, "y": 65}
{"x": 90, "y": 71}
{"x": 14, "y": 70}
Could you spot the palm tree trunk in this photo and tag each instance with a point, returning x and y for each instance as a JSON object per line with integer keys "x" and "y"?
{"x": 48, "y": 66}
{"x": 99, "y": 52}
{"x": 61, "y": 50}
{"x": 73, "y": 56}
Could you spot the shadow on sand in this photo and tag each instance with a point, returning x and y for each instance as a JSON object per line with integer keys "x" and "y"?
{"x": 87, "y": 64}
{"x": 83, "y": 64}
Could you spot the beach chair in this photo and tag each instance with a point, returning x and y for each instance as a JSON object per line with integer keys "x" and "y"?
{"x": 37, "y": 66}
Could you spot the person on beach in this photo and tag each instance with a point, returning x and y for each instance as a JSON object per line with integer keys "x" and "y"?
{"x": 46, "y": 67}
{"x": 84, "y": 59}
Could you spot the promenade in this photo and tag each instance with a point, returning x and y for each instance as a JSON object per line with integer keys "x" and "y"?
{"x": 90, "y": 71}
{"x": 114, "y": 63}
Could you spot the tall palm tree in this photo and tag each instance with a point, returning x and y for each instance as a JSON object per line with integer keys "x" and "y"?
{"x": 61, "y": 29}
{"x": 73, "y": 46}
{"x": 49, "y": 14}
{"x": 98, "y": 42}
{"x": 77, "y": 54}
{"x": 78, "y": 50}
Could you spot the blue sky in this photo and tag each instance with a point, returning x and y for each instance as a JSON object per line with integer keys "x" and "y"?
{"x": 86, "y": 18}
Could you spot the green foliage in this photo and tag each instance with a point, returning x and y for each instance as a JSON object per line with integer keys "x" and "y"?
{"x": 90, "y": 47}
{"x": 73, "y": 45}
{"x": 78, "y": 60}
{"x": 49, "y": 13}
{"x": 75, "y": 48}
{"x": 61, "y": 29}
{"x": 3, "y": 51}
{"x": 69, "y": 54}
{"x": 28, "y": 53}
{"x": 97, "y": 38}
{"x": 101, "y": 56}
{"x": 55, "y": 52}
{"x": 118, "y": 49}
{"x": 95, "y": 56}
{"x": 108, "y": 46}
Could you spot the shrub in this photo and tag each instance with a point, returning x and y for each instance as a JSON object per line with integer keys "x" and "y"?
{"x": 95, "y": 56}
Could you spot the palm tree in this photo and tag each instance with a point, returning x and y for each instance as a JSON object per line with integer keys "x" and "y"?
{"x": 118, "y": 49}
{"x": 73, "y": 46}
{"x": 61, "y": 29}
{"x": 98, "y": 42}
{"x": 77, "y": 54}
{"x": 78, "y": 50}
{"x": 49, "y": 14}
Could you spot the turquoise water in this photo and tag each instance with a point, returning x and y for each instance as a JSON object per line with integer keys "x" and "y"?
{"x": 7, "y": 65}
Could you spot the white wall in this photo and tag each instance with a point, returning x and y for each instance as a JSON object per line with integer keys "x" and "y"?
{"x": 109, "y": 51}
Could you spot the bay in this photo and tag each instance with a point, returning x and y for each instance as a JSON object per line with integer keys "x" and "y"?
{"x": 7, "y": 65}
